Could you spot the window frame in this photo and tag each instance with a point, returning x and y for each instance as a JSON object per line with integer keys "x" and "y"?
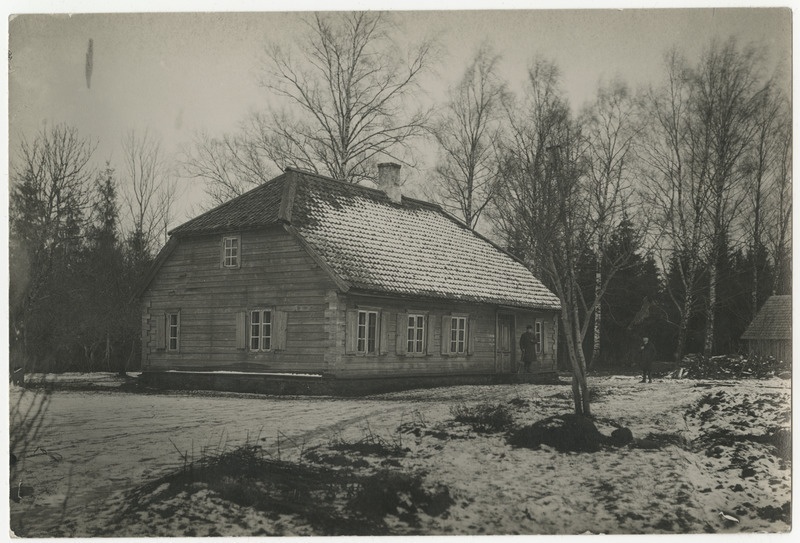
{"x": 262, "y": 324}
{"x": 169, "y": 328}
{"x": 238, "y": 256}
{"x": 366, "y": 329}
{"x": 463, "y": 342}
{"x": 417, "y": 332}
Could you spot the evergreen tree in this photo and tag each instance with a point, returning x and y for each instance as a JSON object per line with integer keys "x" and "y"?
{"x": 105, "y": 270}
{"x": 632, "y": 288}
{"x": 50, "y": 183}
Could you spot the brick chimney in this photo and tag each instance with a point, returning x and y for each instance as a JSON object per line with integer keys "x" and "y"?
{"x": 389, "y": 180}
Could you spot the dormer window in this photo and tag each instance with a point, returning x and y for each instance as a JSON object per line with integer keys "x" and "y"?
{"x": 230, "y": 252}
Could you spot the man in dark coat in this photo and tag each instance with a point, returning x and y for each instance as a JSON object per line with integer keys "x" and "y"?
{"x": 527, "y": 344}
{"x": 647, "y": 354}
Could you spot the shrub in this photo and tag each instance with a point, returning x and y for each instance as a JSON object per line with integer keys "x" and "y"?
{"x": 484, "y": 417}
{"x": 399, "y": 494}
{"x": 563, "y": 432}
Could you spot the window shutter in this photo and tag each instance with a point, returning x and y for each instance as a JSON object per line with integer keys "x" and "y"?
{"x": 238, "y": 251}
{"x": 351, "y": 331}
{"x": 543, "y": 339}
{"x": 402, "y": 333}
{"x": 431, "y": 339}
{"x": 241, "y": 330}
{"x": 471, "y": 329}
{"x": 384, "y": 333}
{"x": 161, "y": 331}
{"x": 279, "y": 319}
{"x": 446, "y": 324}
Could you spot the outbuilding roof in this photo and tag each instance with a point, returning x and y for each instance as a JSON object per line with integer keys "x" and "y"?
{"x": 773, "y": 320}
{"x": 371, "y": 244}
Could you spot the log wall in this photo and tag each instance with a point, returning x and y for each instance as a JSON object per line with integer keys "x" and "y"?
{"x": 275, "y": 273}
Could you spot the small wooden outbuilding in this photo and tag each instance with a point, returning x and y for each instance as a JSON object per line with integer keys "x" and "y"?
{"x": 770, "y": 333}
{"x": 309, "y": 279}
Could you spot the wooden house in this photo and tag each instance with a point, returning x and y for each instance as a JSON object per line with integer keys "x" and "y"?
{"x": 770, "y": 333}
{"x": 305, "y": 281}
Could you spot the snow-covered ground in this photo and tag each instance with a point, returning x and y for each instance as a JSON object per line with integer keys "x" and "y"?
{"x": 97, "y": 445}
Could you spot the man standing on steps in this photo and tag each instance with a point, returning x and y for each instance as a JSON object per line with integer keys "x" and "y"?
{"x": 527, "y": 344}
{"x": 647, "y": 354}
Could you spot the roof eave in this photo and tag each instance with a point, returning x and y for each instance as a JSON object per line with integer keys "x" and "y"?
{"x": 163, "y": 254}
{"x": 508, "y": 304}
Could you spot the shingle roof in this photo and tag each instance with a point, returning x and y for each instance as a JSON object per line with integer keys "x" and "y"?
{"x": 773, "y": 321}
{"x": 256, "y": 208}
{"x": 374, "y": 245}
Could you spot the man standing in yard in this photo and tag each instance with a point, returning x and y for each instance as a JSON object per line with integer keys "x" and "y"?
{"x": 527, "y": 344}
{"x": 647, "y": 354}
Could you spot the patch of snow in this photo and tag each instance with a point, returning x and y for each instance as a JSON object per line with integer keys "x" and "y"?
{"x": 272, "y": 374}
{"x": 110, "y": 443}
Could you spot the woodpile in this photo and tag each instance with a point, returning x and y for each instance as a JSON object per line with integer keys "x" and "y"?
{"x": 697, "y": 366}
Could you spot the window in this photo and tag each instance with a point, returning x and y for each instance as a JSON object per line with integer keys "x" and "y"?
{"x": 458, "y": 335}
{"x": 260, "y": 330}
{"x": 367, "y": 332}
{"x": 416, "y": 334}
{"x": 173, "y": 331}
{"x": 230, "y": 254}
{"x": 537, "y": 334}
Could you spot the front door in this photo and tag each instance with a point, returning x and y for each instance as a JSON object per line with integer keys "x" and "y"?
{"x": 505, "y": 361}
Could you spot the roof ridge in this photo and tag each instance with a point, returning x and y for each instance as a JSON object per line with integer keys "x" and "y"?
{"x": 361, "y": 187}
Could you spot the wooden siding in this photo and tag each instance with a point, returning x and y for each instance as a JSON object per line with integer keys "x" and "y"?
{"x": 481, "y": 359}
{"x": 780, "y": 349}
{"x": 275, "y": 273}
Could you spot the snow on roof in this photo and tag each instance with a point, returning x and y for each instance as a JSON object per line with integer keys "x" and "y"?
{"x": 412, "y": 248}
{"x": 374, "y": 245}
{"x": 773, "y": 321}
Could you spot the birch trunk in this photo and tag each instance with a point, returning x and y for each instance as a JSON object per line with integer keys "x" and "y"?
{"x": 708, "y": 347}
{"x": 683, "y": 327}
{"x": 598, "y": 291}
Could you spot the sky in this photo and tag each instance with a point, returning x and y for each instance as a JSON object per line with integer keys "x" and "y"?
{"x": 174, "y": 74}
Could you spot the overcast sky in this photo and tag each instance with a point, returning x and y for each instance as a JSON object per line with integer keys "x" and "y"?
{"x": 175, "y": 74}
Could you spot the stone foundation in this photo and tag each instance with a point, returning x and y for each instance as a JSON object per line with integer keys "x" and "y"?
{"x": 323, "y": 385}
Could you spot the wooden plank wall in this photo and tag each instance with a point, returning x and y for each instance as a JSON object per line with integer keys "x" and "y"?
{"x": 275, "y": 272}
{"x": 780, "y": 349}
{"x": 482, "y": 360}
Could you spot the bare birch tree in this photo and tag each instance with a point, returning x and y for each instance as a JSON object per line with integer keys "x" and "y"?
{"x": 610, "y": 130}
{"x": 544, "y": 209}
{"x": 676, "y": 190}
{"x": 149, "y": 192}
{"x": 726, "y": 89}
{"x": 761, "y": 165}
{"x": 700, "y": 151}
{"x": 778, "y": 216}
{"x": 349, "y": 87}
{"x": 467, "y": 133}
